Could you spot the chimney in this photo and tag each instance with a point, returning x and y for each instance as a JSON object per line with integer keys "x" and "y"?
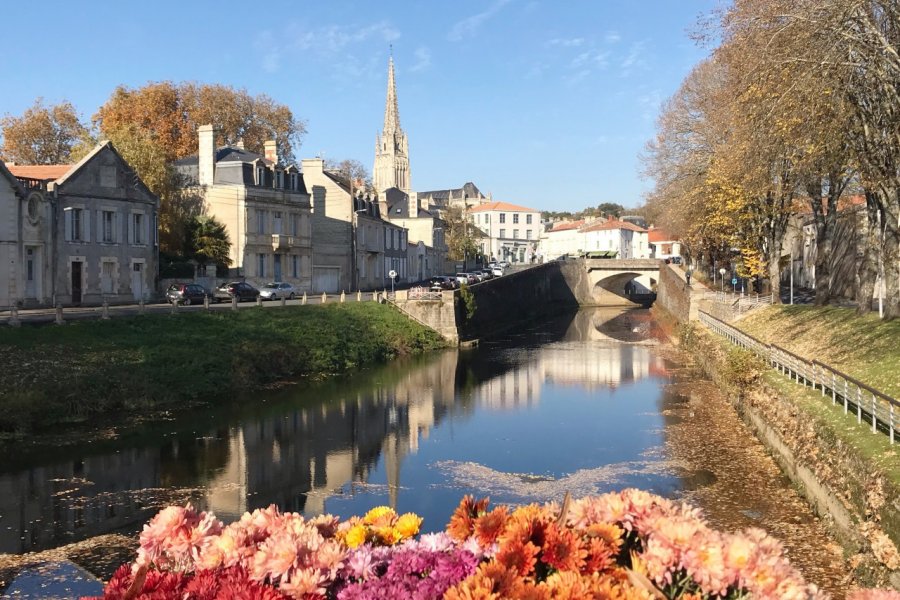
{"x": 271, "y": 151}
{"x": 206, "y": 156}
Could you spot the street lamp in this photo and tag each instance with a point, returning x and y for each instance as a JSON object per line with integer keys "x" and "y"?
{"x": 722, "y": 272}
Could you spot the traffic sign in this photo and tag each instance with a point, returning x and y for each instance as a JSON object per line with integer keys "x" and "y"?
{"x": 734, "y": 281}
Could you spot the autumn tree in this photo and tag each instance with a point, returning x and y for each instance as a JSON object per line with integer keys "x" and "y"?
{"x": 355, "y": 170}
{"x": 42, "y": 135}
{"x": 156, "y": 124}
{"x": 461, "y": 235}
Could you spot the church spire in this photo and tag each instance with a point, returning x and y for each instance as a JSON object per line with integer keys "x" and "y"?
{"x": 391, "y": 109}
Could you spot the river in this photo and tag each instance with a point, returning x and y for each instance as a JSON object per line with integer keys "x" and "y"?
{"x": 585, "y": 403}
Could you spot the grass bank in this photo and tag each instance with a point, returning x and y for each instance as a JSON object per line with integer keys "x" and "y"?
{"x": 56, "y": 375}
{"x": 864, "y": 347}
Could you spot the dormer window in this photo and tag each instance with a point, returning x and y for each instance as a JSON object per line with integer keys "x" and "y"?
{"x": 260, "y": 175}
{"x": 279, "y": 179}
{"x": 294, "y": 185}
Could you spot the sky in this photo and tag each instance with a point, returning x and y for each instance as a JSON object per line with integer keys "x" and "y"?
{"x": 543, "y": 103}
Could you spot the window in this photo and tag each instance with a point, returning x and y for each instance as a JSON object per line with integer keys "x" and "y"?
{"x": 528, "y": 219}
{"x": 515, "y": 218}
{"x": 260, "y": 175}
{"x": 515, "y": 234}
{"x": 279, "y": 179}
{"x": 277, "y": 229}
{"x": 294, "y": 181}
{"x": 360, "y": 235}
{"x": 137, "y": 235}
{"x": 108, "y": 226}
{"x": 295, "y": 224}
{"x": 107, "y": 277}
{"x": 261, "y": 265}
{"x": 502, "y": 218}
{"x": 502, "y": 233}
{"x": 260, "y": 221}
{"x": 527, "y": 234}
{"x": 75, "y": 229}
{"x": 295, "y": 266}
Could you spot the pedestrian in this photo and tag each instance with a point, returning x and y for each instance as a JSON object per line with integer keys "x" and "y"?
{"x": 687, "y": 276}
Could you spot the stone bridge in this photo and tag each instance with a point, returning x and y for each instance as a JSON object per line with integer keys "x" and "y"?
{"x": 622, "y": 281}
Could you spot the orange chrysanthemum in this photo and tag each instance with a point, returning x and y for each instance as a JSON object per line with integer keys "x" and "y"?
{"x": 462, "y": 523}
{"x": 562, "y": 550}
{"x": 518, "y": 556}
{"x": 489, "y": 526}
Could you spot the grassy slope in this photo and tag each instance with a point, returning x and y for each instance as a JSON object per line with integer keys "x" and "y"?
{"x": 863, "y": 347}
{"x": 57, "y": 374}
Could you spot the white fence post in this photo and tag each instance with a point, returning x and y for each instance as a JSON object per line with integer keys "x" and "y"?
{"x": 303, "y": 300}
{"x": 59, "y": 315}
{"x": 874, "y": 429}
{"x": 14, "y": 316}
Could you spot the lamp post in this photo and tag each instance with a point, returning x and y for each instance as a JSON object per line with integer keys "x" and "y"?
{"x": 722, "y": 272}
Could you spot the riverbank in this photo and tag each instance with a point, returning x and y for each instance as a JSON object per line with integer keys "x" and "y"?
{"x": 69, "y": 374}
{"x": 848, "y": 474}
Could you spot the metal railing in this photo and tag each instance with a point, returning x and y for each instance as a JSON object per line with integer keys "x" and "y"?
{"x": 868, "y": 404}
{"x": 422, "y": 293}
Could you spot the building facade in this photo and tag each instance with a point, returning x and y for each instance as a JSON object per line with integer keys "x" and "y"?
{"x": 512, "y": 232}
{"x": 263, "y": 204}
{"x": 89, "y": 232}
{"x": 626, "y": 239}
{"x": 662, "y": 244}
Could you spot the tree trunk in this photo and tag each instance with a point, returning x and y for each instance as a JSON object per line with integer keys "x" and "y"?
{"x": 774, "y": 260}
{"x": 868, "y": 257}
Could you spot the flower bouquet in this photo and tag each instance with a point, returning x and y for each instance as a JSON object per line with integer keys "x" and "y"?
{"x": 625, "y": 545}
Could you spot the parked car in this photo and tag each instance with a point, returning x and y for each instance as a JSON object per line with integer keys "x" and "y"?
{"x": 463, "y": 278}
{"x": 497, "y": 271}
{"x": 241, "y": 290}
{"x": 187, "y": 293}
{"x": 478, "y": 276}
{"x": 442, "y": 282}
{"x": 277, "y": 290}
{"x": 504, "y": 264}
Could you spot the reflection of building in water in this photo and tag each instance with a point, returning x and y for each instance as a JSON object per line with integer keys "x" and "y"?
{"x": 68, "y": 501}
{"x": 516, "y": 388}
{"x": 299, "y": 459}
{"x": 602, "y": 367}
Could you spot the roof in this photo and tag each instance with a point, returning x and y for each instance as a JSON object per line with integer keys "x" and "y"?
{"x": 43, "y": 172}
{"x": 17, "y": 187}
{"x": 489, "y": 206}
{"x": 468, "y": 189}
{"x": 227, "y": 154}
{"x": 658, "y": 235}
{"x": 610, "y": 225}
{"x": 569, "y": 225}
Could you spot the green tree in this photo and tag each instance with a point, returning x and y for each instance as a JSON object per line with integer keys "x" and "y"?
{"x": 611, "y": 208}
{"x": 461, "y": 236}
{"x": 209, "y": 241}
{"x": 42, "y": 135}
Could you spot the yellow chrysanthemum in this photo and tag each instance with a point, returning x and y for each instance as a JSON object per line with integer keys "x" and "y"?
{"x": 380, "y": 515}
{"x": 355, "y": 536}
{"x": 408, "y": 525}
{"x": 388, "y": 535}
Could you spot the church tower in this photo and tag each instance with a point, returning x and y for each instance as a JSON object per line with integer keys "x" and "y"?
{"x": 391, "y": 147}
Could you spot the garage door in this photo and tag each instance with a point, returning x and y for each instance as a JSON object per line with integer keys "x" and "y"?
{"x": 326, "y": 279}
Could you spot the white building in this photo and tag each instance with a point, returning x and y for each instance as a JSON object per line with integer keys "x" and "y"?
{"x": 662, "y": 244}
{"x": 512, "y": 232}
{"x": 626, "y": 239}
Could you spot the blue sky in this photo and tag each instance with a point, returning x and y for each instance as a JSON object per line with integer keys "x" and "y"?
{"x": 543, "y": 103}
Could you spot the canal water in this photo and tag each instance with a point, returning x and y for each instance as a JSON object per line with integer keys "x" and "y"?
{"x": 585, "y": 403}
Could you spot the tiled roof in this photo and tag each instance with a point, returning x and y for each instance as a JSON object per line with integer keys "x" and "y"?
{"x": 44, "y": 172}
{"x": 489, "y": 206}
{"x": 658, "y": 235}
{"x": 610, "y": 225}
{"x": 567, "y": 226}
{"x": 227, "y": 154}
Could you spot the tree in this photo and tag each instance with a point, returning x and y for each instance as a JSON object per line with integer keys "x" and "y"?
{"x": 461, "y": 235}
{"x": 358, "y": 173}
{"x": 611, "y": 208}
{"x": 154, "y": 125}
{"x": 43, "y": 135}
{"x": 209, "y": 241}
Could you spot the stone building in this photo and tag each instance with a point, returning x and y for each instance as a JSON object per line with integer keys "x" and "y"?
{"x": 88, "y": 232}
{"x": 512, "y": 231}
{"x": 391, "y": 147}
{"x": 626, "y": 239}
{"x": 263, "y": 204}
{"x": 466, "y": 197}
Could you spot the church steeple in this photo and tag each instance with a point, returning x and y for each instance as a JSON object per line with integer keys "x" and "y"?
{"x": 391, "y": 109}
{"x": 391, "y": 147}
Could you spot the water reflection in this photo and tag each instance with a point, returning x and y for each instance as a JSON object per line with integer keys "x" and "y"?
{"x": 562, "y": 404}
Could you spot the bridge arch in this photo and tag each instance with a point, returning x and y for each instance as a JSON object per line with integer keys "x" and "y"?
{"x": 621, "y": 285}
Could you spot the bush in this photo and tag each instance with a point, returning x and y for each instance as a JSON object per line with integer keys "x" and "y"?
{"x": 742, "y": 367}
{"x": 468, "y": 300}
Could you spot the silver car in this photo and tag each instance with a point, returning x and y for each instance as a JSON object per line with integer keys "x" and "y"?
{"x": 277, "y": 290}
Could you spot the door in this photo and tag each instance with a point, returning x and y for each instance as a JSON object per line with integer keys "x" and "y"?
{"x": 31, "y": 272}
{"x": 278, "y": 267}
{"x": 76, "y": 283}
{"x": 137, "y": 280}
{"x": 326, "y": 279}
